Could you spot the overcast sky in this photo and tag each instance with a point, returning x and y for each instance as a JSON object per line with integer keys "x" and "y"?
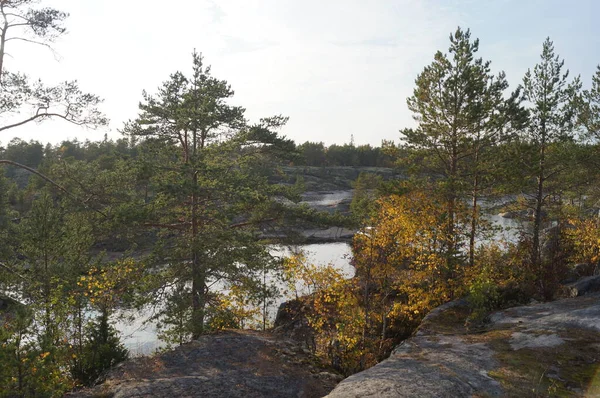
{"x": 336, "y": 68}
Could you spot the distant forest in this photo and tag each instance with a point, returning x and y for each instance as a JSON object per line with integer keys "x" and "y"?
{"x": 33, "y": 153}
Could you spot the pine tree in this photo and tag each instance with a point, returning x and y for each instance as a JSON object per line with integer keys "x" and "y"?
{"x": 461, "y": 111}
{"x": 552, "y": 116}
{"x": 590, "y": 115}
{"x": 209, "y": 189}
{"x": 103, "y": 350}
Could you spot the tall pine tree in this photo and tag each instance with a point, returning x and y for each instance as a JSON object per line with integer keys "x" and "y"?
{"x": 550, "y": 96}
{"x": 208, "y": 193}
{"x": 461, "y": 111}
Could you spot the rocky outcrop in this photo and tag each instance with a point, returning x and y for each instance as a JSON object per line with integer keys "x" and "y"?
{"x": 541, "y": 349}
{"x": 332, "y": 202}
{"x": 548, "y": 349}
{"x": 335, "y": 177}
{"x": 241, "y": 363}
{"x": 584, "y": 286}
{"x": 291, "y": 322}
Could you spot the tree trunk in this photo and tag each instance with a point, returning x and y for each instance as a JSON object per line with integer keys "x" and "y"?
{"x": 198, "y": 298}
{"x": 451, "y": 238}
{"x": 3, "y": 41}
{"x": 537, "y": 215}
{"x": 474, "y": 212}
{"x": 198, "y": 273}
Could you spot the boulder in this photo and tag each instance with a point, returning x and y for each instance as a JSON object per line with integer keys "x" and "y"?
{"x": 585, "y": 269}
{"x": 584, "y": 286}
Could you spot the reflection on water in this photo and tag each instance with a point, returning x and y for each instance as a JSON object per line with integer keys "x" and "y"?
{"x": 140, "y": 337}
{"x": 337, "y": 254}
{"x": 332, "y": 198}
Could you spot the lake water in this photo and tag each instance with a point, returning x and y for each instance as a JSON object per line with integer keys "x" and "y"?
{"x": 140, "y": 336}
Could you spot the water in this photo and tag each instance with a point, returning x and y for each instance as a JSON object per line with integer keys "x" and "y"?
{"x": 510, "y": 229}
{"x": 330, "y": 198}
{"x": 140, "y": 336}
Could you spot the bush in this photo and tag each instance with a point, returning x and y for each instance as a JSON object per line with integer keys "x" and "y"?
{"x": 483, "y": 298}
{"x": 102, "y": 350}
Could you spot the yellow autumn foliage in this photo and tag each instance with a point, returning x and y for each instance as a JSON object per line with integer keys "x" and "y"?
{"x": 585, "y": 238}
{"x": 105, "y": 285}
{"x": 402, "y": 254}
{"x": 233, "y": 309}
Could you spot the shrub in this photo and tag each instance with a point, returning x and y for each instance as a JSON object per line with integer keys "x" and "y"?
{"x": 102, "y": 350}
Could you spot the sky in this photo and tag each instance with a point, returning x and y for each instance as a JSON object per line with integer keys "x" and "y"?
{"x": 339, "y": 69}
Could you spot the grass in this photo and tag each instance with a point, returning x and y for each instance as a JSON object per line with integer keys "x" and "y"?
{"x": 450, "y": 321}
{"x": 569, "y": 370}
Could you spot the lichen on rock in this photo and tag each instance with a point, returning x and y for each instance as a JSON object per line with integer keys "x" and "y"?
{"x": 542, "y": 349}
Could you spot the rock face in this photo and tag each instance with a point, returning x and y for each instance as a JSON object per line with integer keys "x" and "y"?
{"x": 335, "y": 177}
{"x": 584, "y": 286}
{"x": 537, "y": 350}
{"x": 231, "y": 364}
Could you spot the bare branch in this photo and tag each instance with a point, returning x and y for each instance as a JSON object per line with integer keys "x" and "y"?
{"x": 41, "y": 116}
{"x": 12, "y": 271}
{"x": 48, "y": 179}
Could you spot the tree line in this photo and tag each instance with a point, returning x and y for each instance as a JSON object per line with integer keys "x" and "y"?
{"x": 314, "y": 154}
{"x": 318, "y": 155}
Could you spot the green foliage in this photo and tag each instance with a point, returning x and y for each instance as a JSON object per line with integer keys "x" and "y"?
{"x": 313, "y": 153}
{"x": 29, "y": 368}
{"x": 317, "y": 154}
{"x": 484, "y": 281}
{"x": 193, "y": 181}
{"x": 207, "y": 174}
{"x": 7, "y": 227}
{"x": 460, "y": 110}
{"x": 589, "y": 115}
{"x": 28, "y": 153}
{"x": 101, "y": 351}
{"x": 364, "y": 197}
{"x": 483, "y": 297}
{"x": 553, "y": 110}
